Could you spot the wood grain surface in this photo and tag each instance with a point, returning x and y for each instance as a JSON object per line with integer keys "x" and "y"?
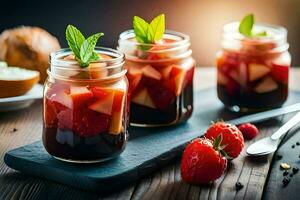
{"x": 164, "y": 184}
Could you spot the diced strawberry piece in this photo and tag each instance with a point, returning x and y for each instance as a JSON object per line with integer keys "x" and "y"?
{"x": 161, "y": 96}
{"x": 118, "y": 101}
{"x": 151, "y": 72}
{"x": 65, "y": 119}
{"x": 134, "y": 80}
{"x": 153, "y": 56}
{"x": 280, "y": 73}
{"x": 142, "y": 97}
{"x": 189, "y": 76}
{"x": 100, "y": 93}
{"x": 170, "y": 84}
{"x": 83, "y": 122}
{"x": 50, "y": 119}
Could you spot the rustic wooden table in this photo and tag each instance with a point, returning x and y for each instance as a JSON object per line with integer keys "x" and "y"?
{"x": 164, "y": 184}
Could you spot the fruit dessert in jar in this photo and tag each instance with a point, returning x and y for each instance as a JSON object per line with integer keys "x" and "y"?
{"x": 160, "y": 73}
{"x": 85, "y": 102}
{"x": 253, "y": 66}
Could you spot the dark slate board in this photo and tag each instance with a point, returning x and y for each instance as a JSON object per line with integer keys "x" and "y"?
{"x": 147, "y": 150}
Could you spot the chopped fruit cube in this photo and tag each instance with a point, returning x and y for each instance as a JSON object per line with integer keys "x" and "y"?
{"x": 266, "y": 85}
{"x": 118, "y": 100}
{"x": 100, "y": 92}
{"x": 75, "y": 90}
{"x": 62, "y": 98}
{"x": 161, "y": 96}
{"x": 104, "y": 105}
{"x": 135, "y": 70}
{"x": 222, "y": 80}
{"x": 83, "y": 122}
{"x": 153, "y": 56}
{"x": 80, "y": 96}
{"x": 116, "y": 123}
{"x": 179, "y": 75}
{"x": 165, "y": 71}
{"x": 240, "y": 75}
{"x": 97, "y": 70}
{"x": 280, "y": 73}
{"x": 134, "y": 80}
{"x": 118, "y": 111}
{"x": 150, "y": 72}
{"x": 257, "y": 71}
{"x": 50, "y": 113}
{"x": 143, "y": 98}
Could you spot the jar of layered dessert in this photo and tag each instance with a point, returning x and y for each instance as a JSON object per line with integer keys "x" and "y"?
{"x": 85, "y": 109}
{"x": 253, "y": 70}
{"x": 160, "y": 79}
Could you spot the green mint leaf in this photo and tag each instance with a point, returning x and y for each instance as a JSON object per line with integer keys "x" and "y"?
{"x": 156, "y": 28}
{"x": 246, "y": 25}
{"x": 149, "y": 33}
{"x": 140, "y": 27}
{"x": 87, "y": 48}
{"x": 75, "y": 39}
{"x": 94, "y": 57}
{"x": 260, "y": 34}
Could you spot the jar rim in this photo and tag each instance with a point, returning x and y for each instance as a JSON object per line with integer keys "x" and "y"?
{"x": 114, "y": 66}
{"x": 55, "y": 57}
{"x": 277, "y": 32}
{"x": 182, "y": 38}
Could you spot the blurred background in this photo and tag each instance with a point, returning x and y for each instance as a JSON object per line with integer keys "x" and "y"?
{"x": 201, "y": 19}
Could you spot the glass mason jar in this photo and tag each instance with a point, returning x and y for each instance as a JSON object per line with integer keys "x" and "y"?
{"x": 252, "y": 73}
{"x": 160, "y": 79}
{"x": 85, "y": 109}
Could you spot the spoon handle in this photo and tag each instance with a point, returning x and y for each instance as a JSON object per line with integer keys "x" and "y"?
{"x": 287, "y": 126}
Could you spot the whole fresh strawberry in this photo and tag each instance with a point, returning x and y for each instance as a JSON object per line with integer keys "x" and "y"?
{"x": 232, "y": 138}
{"x": 202, "y": 161}
{"x": 249, "y": 130}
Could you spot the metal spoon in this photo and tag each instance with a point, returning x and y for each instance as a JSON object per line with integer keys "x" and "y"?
{"x": 270, "y": 144}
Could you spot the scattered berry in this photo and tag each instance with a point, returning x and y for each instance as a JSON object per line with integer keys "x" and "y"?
{"x": 15, "y": 129}
{"x": 286, "y": 181}
{"x": 291, "y": 175}
{"x": 295, "y": 170}
{"x": 249, "y": 131}
{"x": 293, "y": 146}
{"x": 279, "y": 157}
{"x": 285, "y": 173}
{"x": 297, "y": 143}
{"x": 202, "y": 162}
{"x": 232, "y": 138}
{"x": 285, "y": 166}
{"x": 238, "y": 186}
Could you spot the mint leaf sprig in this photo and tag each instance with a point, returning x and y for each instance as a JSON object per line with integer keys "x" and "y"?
{"x": 149, "y": 33}
{"x": 246, "y": 27}
{"x": 82, "y": 48}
